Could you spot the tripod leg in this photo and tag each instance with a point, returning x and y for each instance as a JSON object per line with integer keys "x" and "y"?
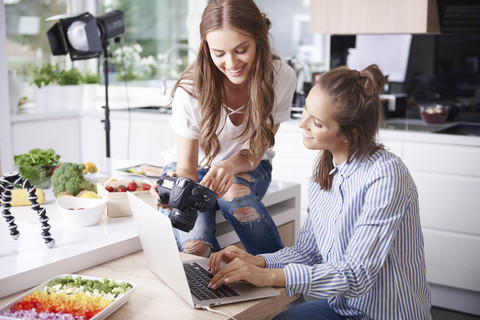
{"x": 41, "y": 212}
{"x": 6, "y": 192}
{"x": 8, "y": 181}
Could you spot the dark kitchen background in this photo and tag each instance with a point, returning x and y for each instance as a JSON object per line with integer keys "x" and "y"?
{"x": 443, "y": 67}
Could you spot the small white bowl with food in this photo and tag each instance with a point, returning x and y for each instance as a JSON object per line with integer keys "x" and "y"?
{"x": 81, "y": 212}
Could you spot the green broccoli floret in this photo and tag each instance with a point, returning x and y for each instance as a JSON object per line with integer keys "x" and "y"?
{"x": 69, "y": 177}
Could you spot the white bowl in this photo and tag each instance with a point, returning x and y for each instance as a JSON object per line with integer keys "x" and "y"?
{"x": 81, "y": 212}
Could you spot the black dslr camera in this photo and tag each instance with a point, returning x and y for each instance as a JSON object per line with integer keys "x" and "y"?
{"x": 186, "y": 197}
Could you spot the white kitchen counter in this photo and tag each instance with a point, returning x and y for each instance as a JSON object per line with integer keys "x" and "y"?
{"x": 425, "y": 136}
{"x": 30, "y": 115}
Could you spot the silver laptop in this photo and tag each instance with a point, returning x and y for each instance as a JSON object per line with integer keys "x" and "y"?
{"x": 163, "y": 259}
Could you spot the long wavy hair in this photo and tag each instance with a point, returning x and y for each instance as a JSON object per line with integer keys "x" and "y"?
{"x": 208, "y": 81}
{"x": 354, "y": 96}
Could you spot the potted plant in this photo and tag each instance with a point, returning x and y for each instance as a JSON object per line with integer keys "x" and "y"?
{"x": 91, "y": 78}
{"x": 56, "y": 88}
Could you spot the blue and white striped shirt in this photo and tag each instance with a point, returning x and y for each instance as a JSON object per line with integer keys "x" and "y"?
{"x": 362, "y": 245}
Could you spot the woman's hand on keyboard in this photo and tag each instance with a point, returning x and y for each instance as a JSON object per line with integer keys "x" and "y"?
{"x": 231, "y": 253}
{"x": 239, "y": 269}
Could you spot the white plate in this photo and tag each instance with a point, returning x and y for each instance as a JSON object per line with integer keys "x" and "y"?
{"x": 99, "y": 316}
{"x": 137, "y": 169}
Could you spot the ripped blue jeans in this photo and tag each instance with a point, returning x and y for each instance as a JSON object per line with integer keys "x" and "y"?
{"x": 247, "y": 214}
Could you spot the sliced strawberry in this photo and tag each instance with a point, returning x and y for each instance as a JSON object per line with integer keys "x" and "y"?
{"x": 110, "y": 189}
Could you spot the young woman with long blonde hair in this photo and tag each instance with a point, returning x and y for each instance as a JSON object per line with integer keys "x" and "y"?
{"x": 227, "y": 107}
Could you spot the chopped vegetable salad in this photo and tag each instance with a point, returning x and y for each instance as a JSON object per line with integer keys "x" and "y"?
{"x": 68, "y": 298}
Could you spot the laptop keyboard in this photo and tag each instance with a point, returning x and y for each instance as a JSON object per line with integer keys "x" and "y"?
{"x": 198, "y": 279}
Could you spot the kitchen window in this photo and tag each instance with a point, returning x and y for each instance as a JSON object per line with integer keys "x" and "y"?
{"x": 160, "y": 40}
{"x": 152, "y": 28}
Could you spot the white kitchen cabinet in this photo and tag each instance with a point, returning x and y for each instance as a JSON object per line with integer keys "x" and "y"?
{"x": 92, "y": 136}
{"x": 446, "y": 171}
{"x": 374, "y": 16}
{"x": 59, "y": 131}
{"x": 448, "y": 180}
{"x": 293, "y": 162}
{"x": 453, "y": 260}
{"x": 134, "y": 136}
{"x": 395, "y": 147}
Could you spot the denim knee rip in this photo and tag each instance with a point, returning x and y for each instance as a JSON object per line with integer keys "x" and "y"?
{"x": 197, "y": 247}
{"x": 240, "y": 189}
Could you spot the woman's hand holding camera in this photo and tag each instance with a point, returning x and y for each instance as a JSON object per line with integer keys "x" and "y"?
{"x": 154, "y": 193}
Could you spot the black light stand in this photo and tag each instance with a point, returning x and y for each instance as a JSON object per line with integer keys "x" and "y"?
{"x": 106, "y": 107}
{"x": 106, "y": 55}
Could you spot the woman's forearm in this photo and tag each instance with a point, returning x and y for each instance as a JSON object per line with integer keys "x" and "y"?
{"x": 187, "y": 173}
{"x": 241, "y": 162}
{"x": 277, "y": 278}
{"x": 187, "y": 158}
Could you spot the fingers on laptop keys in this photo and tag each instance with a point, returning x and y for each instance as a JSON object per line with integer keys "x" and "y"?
{"x": 226, "y": 255}
{"x": 219, "y": 279}
{"x": 216, "y": 259}
{"x": 237, "y": 270}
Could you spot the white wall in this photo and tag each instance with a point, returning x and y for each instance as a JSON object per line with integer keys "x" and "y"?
{"x": 6, "y": 156}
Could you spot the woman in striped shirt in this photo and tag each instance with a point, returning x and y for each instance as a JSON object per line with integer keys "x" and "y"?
{"x": 361, "y": 249}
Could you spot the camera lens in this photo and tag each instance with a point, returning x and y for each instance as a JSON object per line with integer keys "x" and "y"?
{"x": 183, "y": 220}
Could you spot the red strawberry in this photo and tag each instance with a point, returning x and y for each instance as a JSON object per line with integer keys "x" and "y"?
{"x": 110, "y": 189}
{"x": 132, "y": 186}
{"x": 145, "y": 186}
{"x": 122, "y": 188}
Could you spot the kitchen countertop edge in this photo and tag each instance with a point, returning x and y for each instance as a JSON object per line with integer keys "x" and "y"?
{"x": 33, "y": 277}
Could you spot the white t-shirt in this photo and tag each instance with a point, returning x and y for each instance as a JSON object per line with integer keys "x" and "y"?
{"x": 186, "y": 118}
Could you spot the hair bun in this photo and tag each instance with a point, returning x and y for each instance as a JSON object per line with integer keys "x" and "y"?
{"x": 268, "y": 23}
{"x": 372, "y": 80}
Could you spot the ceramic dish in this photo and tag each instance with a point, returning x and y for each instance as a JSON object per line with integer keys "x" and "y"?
{"x": 104, "y": 313}
{"x": 81, "y": 212}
